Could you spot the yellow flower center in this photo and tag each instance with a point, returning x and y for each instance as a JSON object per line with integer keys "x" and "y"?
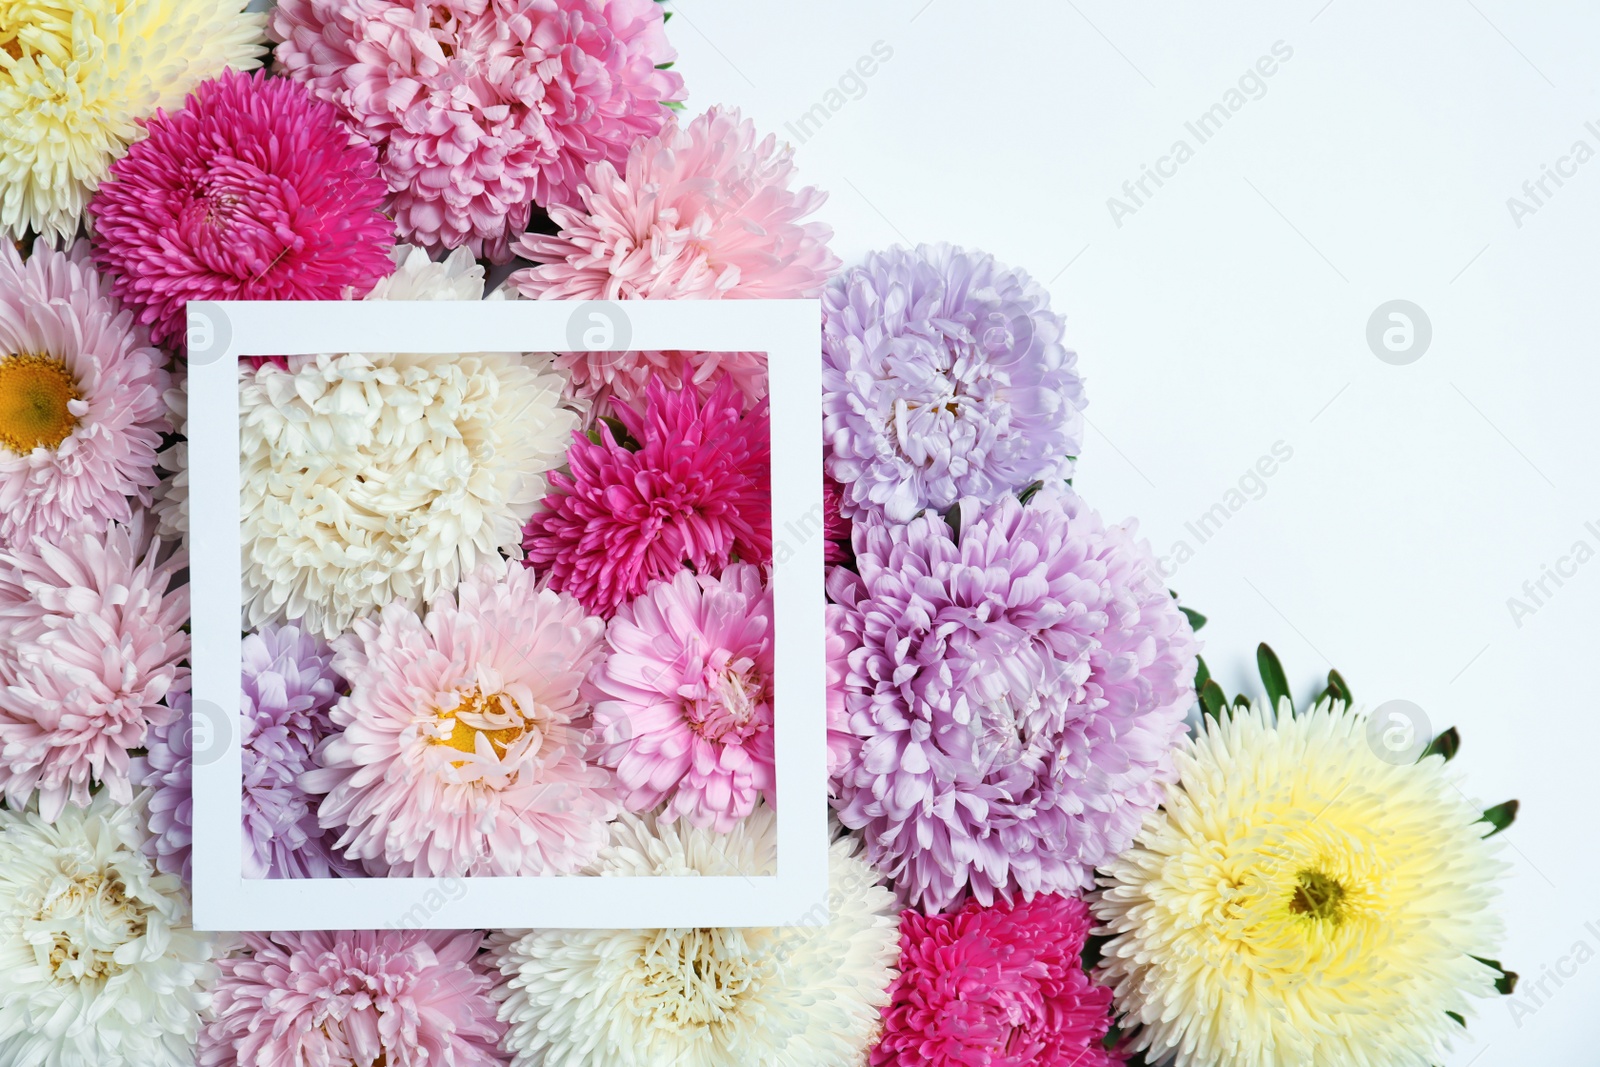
{"x": 1318, "y": 897}
{"x": 477, "y": 714}
{"x": 81, "y": 923}
{"x": 34, "y": 394}
{"x": 694, "y": 978}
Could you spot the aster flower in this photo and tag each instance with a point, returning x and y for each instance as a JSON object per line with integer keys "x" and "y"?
{"x": 482, "y": 108}
{"x": 171, "y": 504}
{"x": 462, "y": 742}
{"x": 91, "y": 647}
{"x": 369, "y": 478}
{"x": 288, "y": 688}
{"x": 999, "y": 985}
{"x": 253, "y": 191}
{"x": 612, "y": 379}
{"x": 943, "y": 377}
{"x": 1298, "y": 899}
{"x": 98, "y": 962}
{"x": 78, "y": 76}
{"x": 1011, "y": 695}
{"x": 700, "y": 211}
{"x": 694, "y": 492}
{"x": 835, "y": 527}
{"x": 81, "y": 414}
{"x": 684, "y": 698}
{"x": 798, "y": 996}
{"x": 400, "y": 998}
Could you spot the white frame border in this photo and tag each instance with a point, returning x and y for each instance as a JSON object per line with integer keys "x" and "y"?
{"x": 789, "y": 331}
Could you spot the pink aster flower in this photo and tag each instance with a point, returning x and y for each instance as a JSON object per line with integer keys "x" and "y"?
{"x": 482, "y": 108}
{"x": 621, "y": 379}
{"x": 91, "y": 650}
{"x": 835, "y": 527}
{"x": 252, "y": 191}
{"x": 687, "y": 486}
{"x": 462, "y": 744}
{"x": 684, "y": 699}
{"x": 1012, "y": 695}
{"x": 996, "y": 986}
{"x": 701, "y": 211}
{"x": 81, "y": 409}
{"x": 331, "y": 999}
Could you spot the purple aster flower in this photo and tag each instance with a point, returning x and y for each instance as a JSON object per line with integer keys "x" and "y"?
{"x": 944, "y": 377}
{"x": 165, "y": 771}
{"x": 1011, "y": 695}
{"x": 288, "y": 687}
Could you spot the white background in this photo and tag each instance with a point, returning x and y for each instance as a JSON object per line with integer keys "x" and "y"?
{"x": 1229, "y": 313}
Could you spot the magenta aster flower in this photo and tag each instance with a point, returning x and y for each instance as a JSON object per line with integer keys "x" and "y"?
{"x": 943, "y": 377}
{"x": 687, "y": 486}
{"x": 91, "y": 650}
{"x": 252, "y": 191}
{"x": 327, "y": 999}
{"x": 1012, "y": 695}
{"x": 684, "y": 699}
{"x": 997, "y": 985}
{"x": 81, "y": 409}
{"x": 462, "y": 745}
{"x": 701, "y": 211}
{"x": 482, "y": 108}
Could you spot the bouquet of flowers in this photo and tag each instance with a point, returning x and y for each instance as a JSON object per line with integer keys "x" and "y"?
{"x": 510, "y": 614}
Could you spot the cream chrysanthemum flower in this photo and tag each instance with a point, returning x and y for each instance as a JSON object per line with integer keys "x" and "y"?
{"x": 77, "y": 77}
{"x": 375, "y": 478}
{"x": 1299, "y": 900}
{"x": 781, "y": 997}
{"x": 98, "y": 962}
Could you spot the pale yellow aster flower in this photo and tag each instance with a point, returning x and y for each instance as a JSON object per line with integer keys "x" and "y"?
{"x": 76, "y": 76}
{"x": 1299, "y": 900}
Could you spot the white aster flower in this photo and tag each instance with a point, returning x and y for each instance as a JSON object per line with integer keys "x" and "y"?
{"x": 78, "y": 76}
{"x": 98, "y": 964}
{"x": 369, "y": 478}
{"x": 733, "y": 997}
{"x": 1299, "y": 900}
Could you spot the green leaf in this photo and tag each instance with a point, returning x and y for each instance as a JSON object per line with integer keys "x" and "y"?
{"x": 1241, "y": 701}
{"x": 1501, "y": 816}
{"x": 1507, "y": 980}
{"x": 1212, "y": 699}
{"x": 1029, "y": 491}
{"x": 664, "y": 66}
{"x": 1202, "y": 673}
{"x": 1446, "y": 745}
{"x": 1197, "y": 621}
{"x": 1460, "y": 1019}
{"x": 1272, "y": 677}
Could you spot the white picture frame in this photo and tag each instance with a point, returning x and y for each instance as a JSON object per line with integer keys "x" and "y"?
{"x": 789, "y": 332}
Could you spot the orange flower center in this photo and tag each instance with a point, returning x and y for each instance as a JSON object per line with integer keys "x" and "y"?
{"x": 34, "y": 394}
{"x": 477, "y": 714}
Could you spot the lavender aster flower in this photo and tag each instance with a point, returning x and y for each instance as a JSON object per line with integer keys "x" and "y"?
{"x": 166, "y": 770}
{"x": 1012, "y": 696}
{"x": 288, "y": 687}
{"x": 944, "y": 377}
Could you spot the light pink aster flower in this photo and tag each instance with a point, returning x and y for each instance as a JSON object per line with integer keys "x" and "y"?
{"x": 613, "y": 379}
{"x": 462, "y": 743}
{"x": 91, "y": 650}
{"x": 347, "y": 998}
{"x": 482, "y": 108}
{"x": 253, "y": 190}
{"x": 687, "y": 485}
{"x": 701, "y": 211}
{"x": 81, "y": 409}
{"x": 684, "y": 700}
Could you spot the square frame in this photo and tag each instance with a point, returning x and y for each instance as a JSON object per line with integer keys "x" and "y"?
{"x": 789, "y": 332}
